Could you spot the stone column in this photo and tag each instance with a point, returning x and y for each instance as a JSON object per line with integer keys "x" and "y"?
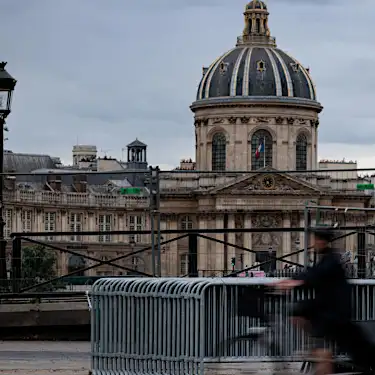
{"x": 231, "y": 240}
{"x": 171, "y": 254}
{"x": 202, "y": 247}
{"x": 219, "y": 247}
{"x": 248, "y": 258}
{"x": 287, "y": 245}
{"x": 207, "y": 164}
{"x": 17, "y": 222}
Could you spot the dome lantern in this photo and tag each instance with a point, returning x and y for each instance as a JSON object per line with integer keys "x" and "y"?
{"x": 256, "y": 31}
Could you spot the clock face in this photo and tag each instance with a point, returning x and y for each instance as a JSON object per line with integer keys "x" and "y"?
{"x": 268, "y": 182}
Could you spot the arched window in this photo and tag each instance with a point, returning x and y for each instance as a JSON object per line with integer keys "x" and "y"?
{"x": 301, "y": 153}
{"x": 76, "y": 263}
{"x": 186, "y": 223}
{"x": 261, "y": 149}
{"x": 219, "y": 152}
{"x": 257, "y": 30}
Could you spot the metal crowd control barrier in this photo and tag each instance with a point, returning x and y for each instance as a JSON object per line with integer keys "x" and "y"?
{"x": 174, "y": 325}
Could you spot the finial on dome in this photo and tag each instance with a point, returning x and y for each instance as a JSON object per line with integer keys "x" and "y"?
{"x": 256, "y": 29}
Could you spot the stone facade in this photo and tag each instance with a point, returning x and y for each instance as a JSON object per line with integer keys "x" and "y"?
{"x": 239, "y": 122}
{"x": 260, "y": 200}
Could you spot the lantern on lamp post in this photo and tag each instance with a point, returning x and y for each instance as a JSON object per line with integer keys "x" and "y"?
{"x": 7, "y": 85}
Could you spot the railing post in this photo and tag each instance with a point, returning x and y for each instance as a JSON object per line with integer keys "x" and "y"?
{"x": 16, "y": 264}
{"x": 361, "y": 254}
{"x": 307, "y": 223}
{"x": 193, "y": 255}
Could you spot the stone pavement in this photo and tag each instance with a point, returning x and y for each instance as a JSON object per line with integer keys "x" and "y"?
{"x": 44, "y": 358}
{"x": 73, "y": 358}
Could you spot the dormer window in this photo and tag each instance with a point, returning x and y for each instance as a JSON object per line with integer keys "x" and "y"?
{"x": 261, "y": 66}
{"x": 295, "y": 67}
{"x": 223, "y": 67}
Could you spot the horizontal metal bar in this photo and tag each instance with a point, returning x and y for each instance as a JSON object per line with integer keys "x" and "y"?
{"x": 180, "y": 231}
{"x": 312, "y": 171}
{"x": 67, "y": 172}
{"x": 340, "y": 208}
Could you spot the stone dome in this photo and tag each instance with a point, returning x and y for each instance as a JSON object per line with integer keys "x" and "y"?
{"x": 256, "y": 71}
{"x": 255, "y": 67}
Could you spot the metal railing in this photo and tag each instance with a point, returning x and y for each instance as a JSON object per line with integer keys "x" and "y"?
{"x": 175, "y": 326}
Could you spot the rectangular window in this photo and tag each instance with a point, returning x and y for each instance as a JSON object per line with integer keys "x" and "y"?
{"x": 75, "y": 225}
{"x": 136, "y": 223}
{"x": 105, "y": 224}
{"x": 49, "y": 224}
{"x": 8, "y": 229}
{"x": 27, "y": 218}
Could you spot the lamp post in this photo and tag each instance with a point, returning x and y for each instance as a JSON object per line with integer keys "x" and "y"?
{"x": 7, "y": 85}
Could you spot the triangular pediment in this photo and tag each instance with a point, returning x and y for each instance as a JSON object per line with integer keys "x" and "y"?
{"x": 267, "y": 181}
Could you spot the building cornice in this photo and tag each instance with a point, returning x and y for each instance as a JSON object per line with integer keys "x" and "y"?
{"x": 256, "y": 101}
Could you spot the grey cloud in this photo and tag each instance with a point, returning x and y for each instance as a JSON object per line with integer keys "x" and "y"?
{"x": 107, "y": 72}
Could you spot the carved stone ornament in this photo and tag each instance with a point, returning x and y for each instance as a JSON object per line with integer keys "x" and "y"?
{"x": 279, "y": 120}
{"x": 232, "y": 120}
{"x": 205, "y": 121}
{"x": 197, "y": 123}
{"x": 290, "y": 120}
{"x": 218, "y": 120}
{"x": 266, "y": 239}
{"x": 263, "y": 120}
{"x": 302, "y": 121}
{"x": 245, "y": 120}
{"x": 266, "y": 221}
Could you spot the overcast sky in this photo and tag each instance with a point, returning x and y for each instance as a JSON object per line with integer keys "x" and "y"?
{"x": 105, "y": 72}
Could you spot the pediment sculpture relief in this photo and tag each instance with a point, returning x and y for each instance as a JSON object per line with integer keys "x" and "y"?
{"x": 269, "y": 183}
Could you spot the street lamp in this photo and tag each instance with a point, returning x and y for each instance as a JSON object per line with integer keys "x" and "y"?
{"x": 7, "y": 85}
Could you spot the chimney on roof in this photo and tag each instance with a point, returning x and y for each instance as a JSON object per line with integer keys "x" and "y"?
{"x": 80, "y": 183}
{"x": 54, "y": 181}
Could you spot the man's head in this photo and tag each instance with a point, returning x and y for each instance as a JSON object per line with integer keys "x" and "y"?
{"x": 323, "y": 236}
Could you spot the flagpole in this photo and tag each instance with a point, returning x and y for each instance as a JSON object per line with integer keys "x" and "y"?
{"x": 264, "y": 152}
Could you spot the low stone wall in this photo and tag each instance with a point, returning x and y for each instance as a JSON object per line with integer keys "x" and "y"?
{"x": 44, "y": 314}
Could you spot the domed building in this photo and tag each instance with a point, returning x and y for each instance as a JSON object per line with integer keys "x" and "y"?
{"x": 256, "y": 112}
{"x": 256, "y": 93}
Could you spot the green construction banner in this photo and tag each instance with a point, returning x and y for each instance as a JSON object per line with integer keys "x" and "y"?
{"x": 365, "y": 186}
{"x": 130, "y": 191}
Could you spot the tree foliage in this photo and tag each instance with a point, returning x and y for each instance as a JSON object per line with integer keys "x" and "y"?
{"x": 39, "y": 265}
